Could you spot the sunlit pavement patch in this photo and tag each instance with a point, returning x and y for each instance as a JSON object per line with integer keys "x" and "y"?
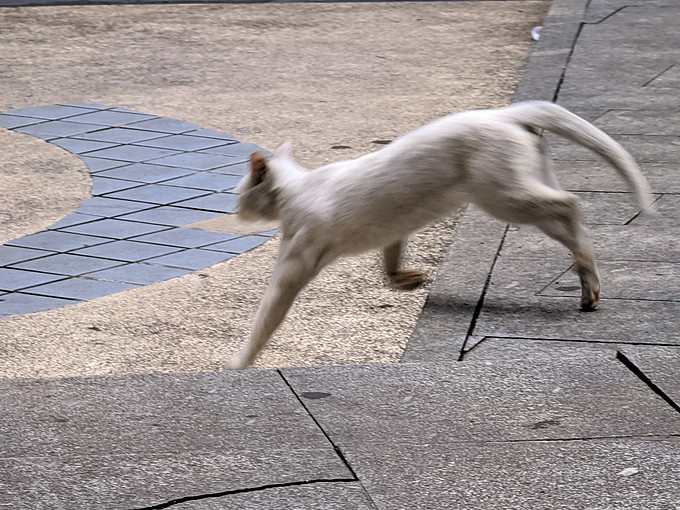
{"x": 151, "y": 176}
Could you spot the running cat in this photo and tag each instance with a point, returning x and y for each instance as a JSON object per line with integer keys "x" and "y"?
{"x": 495, "y": 159}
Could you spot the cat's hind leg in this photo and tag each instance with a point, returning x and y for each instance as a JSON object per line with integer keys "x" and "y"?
{"x": 557, "y": 214}
{"x": 401, "y": 279}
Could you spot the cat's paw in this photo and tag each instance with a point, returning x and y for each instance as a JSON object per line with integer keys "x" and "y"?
{"x": 237, "y": 363}
{"x": 407, "y": 279}
{"x": 590, "y": 299}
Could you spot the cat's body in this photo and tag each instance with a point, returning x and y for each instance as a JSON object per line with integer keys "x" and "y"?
{"x": 492, "y": 158}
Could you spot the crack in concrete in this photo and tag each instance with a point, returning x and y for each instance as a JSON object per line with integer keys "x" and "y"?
{"x": 659, "y": 75}
{"x": 643, "y": 377}
{"x": 480, "y": 301}
{"x": 337, "y": 449}
{"x": 186, "y": 499}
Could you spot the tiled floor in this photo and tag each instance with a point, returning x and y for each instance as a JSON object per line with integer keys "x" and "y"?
{"x": 151, "y": 175}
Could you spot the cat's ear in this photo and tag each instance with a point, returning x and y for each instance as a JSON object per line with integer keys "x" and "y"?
{"x": 258, "y": 167}
{"x": 285, "y": 150}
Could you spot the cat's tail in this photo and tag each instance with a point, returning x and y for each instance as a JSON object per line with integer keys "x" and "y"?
{"x": 554, "y": 118}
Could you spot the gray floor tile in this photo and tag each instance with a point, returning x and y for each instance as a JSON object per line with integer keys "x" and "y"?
{"x": 239, "y": 169}
{"x": 206, "y": 180}
{"x": 239, "y": 245}
{"x": 81, "y": 146}
{"x": 132, "y": 153}
{"x": 145, "y": 173}
{"x": 19, "y": 304}
{"x": 158, "y": 194}
{"x": 56, "y": 129}
{"x": 217, "y": 202}
{"x": 12, "y": 254}
{"x": 121, "y": 135}
{"x": 165, "y": 125}
{"x": 57, "y": 241}
{"x": 211, "y": 133}
{"x": 140, "y": 274}
{"x": 54, "y": 112}
{"x": 100, "y": 164}
{"x": 127, "y": 251}
{"x": 104, "y": 185}
{"x": 15, "y": 279}
{"x": 185, "y": 237}
{"x": 67, "y": 264}
{"x": 192, "y": 259}
{"x": 196, "y": 161}
{"x": 91, "y": 106}
{"x": 79, "y": 288}
{"x": 16, "y": 121}
{"x": 73, "y": 219}
{"x": 112, "y": 118}
{"x": 113, "y": 228}
{"x": 109, "y": 207}
{"x": 240, "y": 151}
{"x": 171, "y": 216}
{"x": 183, "y": 143}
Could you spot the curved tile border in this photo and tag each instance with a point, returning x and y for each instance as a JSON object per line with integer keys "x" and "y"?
{"x": 152, "y": 175}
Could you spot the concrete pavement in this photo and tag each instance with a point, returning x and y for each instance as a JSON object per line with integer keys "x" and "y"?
{"x": 549, "y": 407}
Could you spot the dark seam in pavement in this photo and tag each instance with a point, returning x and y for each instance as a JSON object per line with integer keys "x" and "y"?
{"x": 654, "y": 437}
{"x": 480, "y": 302}
{"x": 316, "y": 422}
{"x": 239, "y": 491}
{"x": 465, "y": 353}
{"x": 577, "y": 340}
{"x": 643, "y": 377}
{"x": 613, "y": 13}
{"x": 337, "y": 449}
{"x": 659, "y": 75}
{"x": 643, "y": 210}
{"x": 567, "y": 61}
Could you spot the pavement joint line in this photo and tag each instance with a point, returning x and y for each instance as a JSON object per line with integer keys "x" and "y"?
{"x": 103, "y": 209}
{"x": 480, "y": 301}
{"x": 651, "y": 206}
{"x": 613, "y": 13}
{"x": 578, "y": 340}
{"x": 215, "y": 495}
{"x": 337, "y": 449}
{"x": 567, "y": 61}
{"x": 630, "y": 365}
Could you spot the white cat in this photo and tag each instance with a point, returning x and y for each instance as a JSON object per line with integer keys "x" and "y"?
{"x": 495, "y": 159}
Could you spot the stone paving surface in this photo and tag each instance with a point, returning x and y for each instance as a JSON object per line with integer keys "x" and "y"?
{"x": 549, "y": 407}
{"x": 151, "y": 176}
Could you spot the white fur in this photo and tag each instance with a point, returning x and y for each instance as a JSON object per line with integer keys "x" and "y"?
{"x": 492, "y": 158}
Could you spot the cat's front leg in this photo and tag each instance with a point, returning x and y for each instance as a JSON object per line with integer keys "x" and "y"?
{"x": 401, "y": 279}
{"x": 296, "y": 266}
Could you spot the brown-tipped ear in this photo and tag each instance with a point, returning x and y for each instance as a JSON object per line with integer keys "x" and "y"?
{"x": 258, "y": 167}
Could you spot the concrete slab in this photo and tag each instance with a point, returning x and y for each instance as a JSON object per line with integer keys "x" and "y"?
{"x": 499, "y": 475}
{"x": 438, "y": 404}
{"x": 135, "y": 441}
{"x": 615, "y": 320}
{"x": 611, "y": 242}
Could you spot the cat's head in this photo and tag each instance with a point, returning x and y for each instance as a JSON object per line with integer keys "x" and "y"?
{"x": 258, "y": 191}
